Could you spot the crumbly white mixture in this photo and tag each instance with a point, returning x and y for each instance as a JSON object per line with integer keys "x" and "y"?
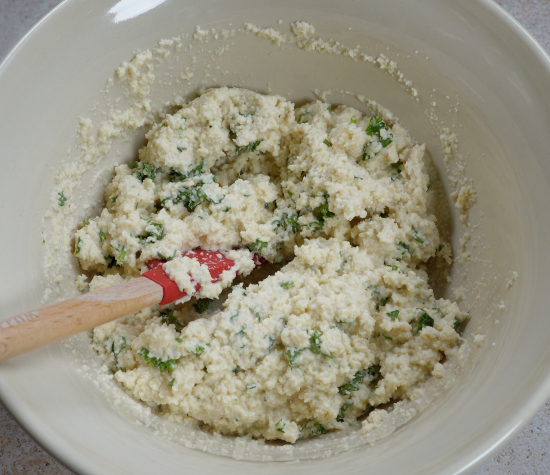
{"x": 340, "y": 201}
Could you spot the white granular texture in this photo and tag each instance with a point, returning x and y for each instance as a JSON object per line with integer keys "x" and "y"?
{"x": 348, "y": 323}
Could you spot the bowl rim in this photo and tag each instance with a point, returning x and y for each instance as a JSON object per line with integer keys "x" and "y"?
{"x": 57, "y": 448}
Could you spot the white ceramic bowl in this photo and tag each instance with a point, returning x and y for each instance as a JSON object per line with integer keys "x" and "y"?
{"x": 470, "y": 51}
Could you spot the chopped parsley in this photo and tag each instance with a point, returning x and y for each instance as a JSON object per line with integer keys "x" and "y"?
{"x": 457, "y": 324}
{"x": 251, "y": 147}
{"x": 287, "y": 284}
{"x": 181, "y": 149}
{"x": 373, "y": 372}
{"x": 162, "y": 256}
{"x": 393, "y": 314}
{"x": 424, "y": 321}
{"x": 280, "y": 426}
{"x": 177, "y": 175}
{"x": 327, "y": 143}
{"x": 346, "y": 389}
{"x": 376, "y": 124}
{"x": 172, "y": 381}
{"x": 61, "y": 199}
{"x": 190, "y": 197}
{"x": 252, "y": 386}
{"x": 258, "y": 246}
{"x": 117, "y": 353}
{"x": 438, "y": 310}
{"x": 145, "y": 170}
{"x": 318, "y": 429}
{"x": 353, "y": 119}
{"x": 168, "y": 318}
{"x": 397, "y": 166}
{"x": 202, "y": 305}
{"x": 341, "y": 415}
{"x": 153, "y": 232}
{"x": 292, "y": 356}
{"x": 121, "y": 254}
{"x": 102, "y": 235}
{"x": 321, "y": 213}
{"x": 287, "y": 221}
{"x": 405, "y": 249}
{"x": 167, "y": 365}
{"x": 315, "y": 344}
{"x": 77, "y": 247}
{"x": 416, "y": 237}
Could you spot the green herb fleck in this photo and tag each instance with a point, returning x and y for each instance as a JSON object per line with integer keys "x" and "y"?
{"x": 287, "y": 221}
{"x": 198, "y": 350}
{"x": 77, "y": 247}
{"x": 153, "y": 232}
{"x": 288, "y": 284}
{"x": 102, "y": 235}
{"x": 280, "y": 426}
{"x": 346, "y": 389}
{"x": 181, "y": 149}
{"x": 172, "y": 381}
{"x": 168, "y": 318}
{"x": 202, "y": 305}
{"x": 405, "y": 249}
{"x": 393, "y": 314}
{"x": 251, "y": 147}
{"x": 163, "y": 257}
{"x": 376, "y": 124}
{"x": 253, "y": 386}
{"x": 318, "y": 429}
{"x": 258, "y": 246}
{"x": 315, "y": 344}
{"x": 327, "y": 143}
{"x": 292, "y": 356}
{"x": 145, "y": 170}
{"x": 438, "y": 310}
{"x": 117, "y": 353}
{"x": 341, "y": 415}
{"x": 424, "y": 321}
{"x": 353, "y": 119}
{"x": 416, "y": 237}
{"x": 168, "y": 365}
{"x": 61, "y": 199}
{"x": 322, "y": 212}
{"x": 457, "y": 324}
{"x": 301, "y": 120}
{"x": 177, "y": 175}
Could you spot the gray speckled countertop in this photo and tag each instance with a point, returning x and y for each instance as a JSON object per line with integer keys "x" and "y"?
{"x": 527, "y": 454}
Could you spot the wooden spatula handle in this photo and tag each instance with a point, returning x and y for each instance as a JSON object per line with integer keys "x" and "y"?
{"x": 31, "y": 330}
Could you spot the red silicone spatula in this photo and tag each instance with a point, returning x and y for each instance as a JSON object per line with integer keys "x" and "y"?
{"x": 31, "y": 330}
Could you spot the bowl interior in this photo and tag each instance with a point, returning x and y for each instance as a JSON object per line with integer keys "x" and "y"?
{"x": 474, "y": 69}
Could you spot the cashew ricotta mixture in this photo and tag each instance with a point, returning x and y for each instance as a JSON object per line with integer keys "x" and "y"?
{"x": 340, "y": 204}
